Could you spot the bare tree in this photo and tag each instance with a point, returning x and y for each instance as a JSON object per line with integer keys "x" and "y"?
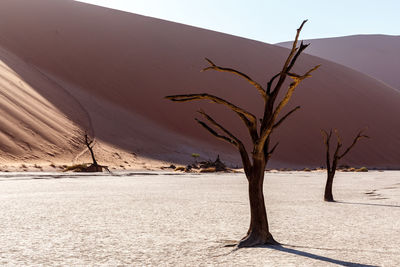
{"x": 331, "y": 165}
{"x": 254, "y": 164}
{"x": 94, "y": 167}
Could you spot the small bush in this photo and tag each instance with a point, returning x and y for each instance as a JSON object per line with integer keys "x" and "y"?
{"x": 209, "y": 169}
{"x": 362, "y": 169}
{"x": 75, "y": 167}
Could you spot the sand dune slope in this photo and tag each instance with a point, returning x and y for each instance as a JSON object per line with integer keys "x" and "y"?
{"x": 375, "y": 55}
{"x": 33, "y": 130}
{"x": 119, "y": 66}
{"x": 31, "y": 127}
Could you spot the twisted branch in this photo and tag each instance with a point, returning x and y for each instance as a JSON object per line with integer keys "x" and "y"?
{"x": 241, "y": 74}
{"x": 336, "y": 156}
{"x": 249, "y": 119}
{"x": 299, "y": 51}
{"x": 269, "y": 153}
{"x": 286, "y": 116}
{"x": 266, "y": 131}
{"x": 221, "y": 137}
{"x": 289, "y": 62}
{"x": 231, "y": 139}
{"x": 234, "y": 139}
{"x": 269, "y": 84}
{"x": 359, "y": 136}
{"x": 294, "y": 49}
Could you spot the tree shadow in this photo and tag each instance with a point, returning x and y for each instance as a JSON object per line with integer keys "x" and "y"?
{"x": 368, "y": 204}
{"x": 290, "y": 249}
{"x": 317, "y": 257}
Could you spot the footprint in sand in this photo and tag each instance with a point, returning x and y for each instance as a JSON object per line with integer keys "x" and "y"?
{"x": 374, "y": 195}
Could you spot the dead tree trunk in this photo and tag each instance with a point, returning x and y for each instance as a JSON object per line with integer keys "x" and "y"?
{"x": 88, "y": 144}
{"x": 254, "y": 164}
{"x": 332, "y": 166}
{"x": 258, "y": 232}
{"x": 94, "y": 167}
{"x": 328, "y": 196}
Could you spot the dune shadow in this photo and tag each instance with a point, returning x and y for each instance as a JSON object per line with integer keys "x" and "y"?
{"x": 317, "y": 257}
{"x": 368, "y": 204}
{"x": 41, "y": 176}
{"x": 78, "y": 175}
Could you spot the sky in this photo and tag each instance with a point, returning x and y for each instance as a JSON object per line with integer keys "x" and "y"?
{"x": 272, "y": 21}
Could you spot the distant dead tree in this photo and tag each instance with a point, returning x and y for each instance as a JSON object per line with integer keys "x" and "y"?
{"x": 254, "y": 164}
{"x": 94, "y": 167}
{"x": 331, "y": 165}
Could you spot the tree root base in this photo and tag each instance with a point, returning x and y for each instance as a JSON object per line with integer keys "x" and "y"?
{"x": 253, "y": 240}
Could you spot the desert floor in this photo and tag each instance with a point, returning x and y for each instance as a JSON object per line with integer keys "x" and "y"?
{"x": 154, "y": 218}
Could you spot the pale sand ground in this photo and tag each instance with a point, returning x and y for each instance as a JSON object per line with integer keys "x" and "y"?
{"x": 170, "y": 219}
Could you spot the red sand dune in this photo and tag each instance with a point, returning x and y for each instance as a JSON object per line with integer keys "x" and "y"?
{"x": 108, "y": 72}
{"x": 375, "y": 55}
{"x": 31, "y": 126}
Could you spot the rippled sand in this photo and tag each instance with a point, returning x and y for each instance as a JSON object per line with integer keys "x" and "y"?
{"x": 169, "y": 219}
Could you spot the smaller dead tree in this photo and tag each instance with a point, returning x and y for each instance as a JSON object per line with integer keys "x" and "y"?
{"x": 94, "y": 167}
{"x": 331, "y": 165}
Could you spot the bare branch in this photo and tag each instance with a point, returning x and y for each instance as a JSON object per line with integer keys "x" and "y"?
{"x": 244, "y": 76}
{"x": 248, "y": 118}
{"x": 296, "y": 80}
{"x": 219, "y": 126}
{"x": 295, "y": 76}
{"x": 269, "y": 84}
{"x": 288, "y": 61}
{"x": 327, "y": 138}
{"x": 286, "y": 116}
{"x": 88, "y": 144}
{"x": 336, "y": 156}
{"x": 299, "y": 51}
{"x": 215, "y": 99}
{"x": 294, "y": 49}
{"x": 267, "y": 127}
{"x": 359, "y": 136}
{"x": 339, "y": 139}
{"x": 221, "y": 137}
{"x": 338, "y": 146}
{"x": 272, "y": 150}
{"x": 87, "y": 141}
{"x": 231, "y": 139}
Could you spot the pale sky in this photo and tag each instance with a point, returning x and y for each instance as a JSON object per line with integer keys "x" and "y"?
{"x": 272, "y": 21}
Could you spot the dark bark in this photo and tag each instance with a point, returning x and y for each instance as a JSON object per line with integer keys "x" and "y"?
{"x": 94, "y": 167}
{"x": 93, "y": 158}
{"x": 332, "y": 166}
{"x": 89, "y": 146}
{"x": 258, "y": 232}
{"x": 254, "y": 165}
{"x": 328, "y": 196}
